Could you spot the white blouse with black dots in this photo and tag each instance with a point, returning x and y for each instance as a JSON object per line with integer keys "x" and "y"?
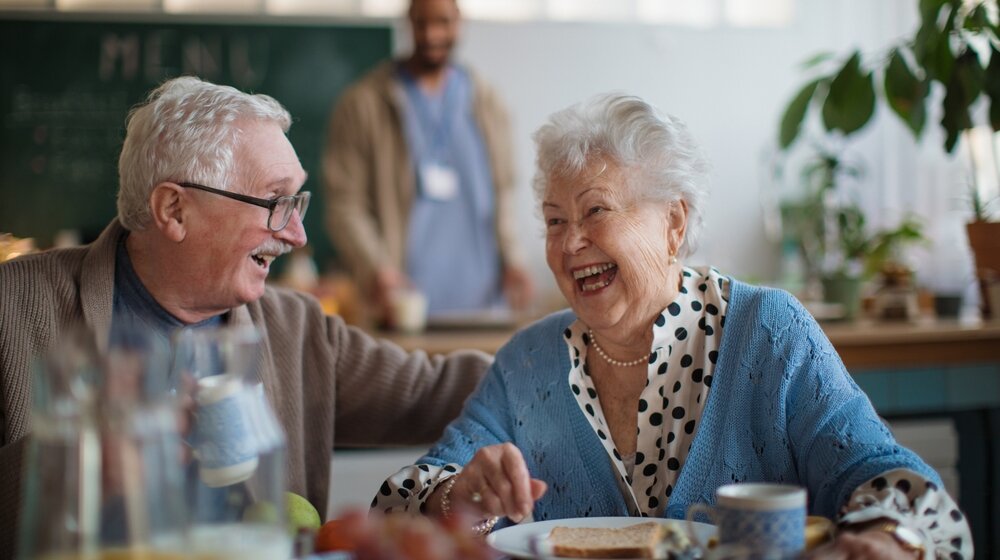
{"x": 686, "y": 338}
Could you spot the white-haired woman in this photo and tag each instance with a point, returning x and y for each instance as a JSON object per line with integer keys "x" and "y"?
{"x": 664, "y": 382}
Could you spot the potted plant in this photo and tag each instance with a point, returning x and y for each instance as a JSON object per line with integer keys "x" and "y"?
{"x": 862, "y": 255}
{"x": 956, "y": 49}
{"x": 984, "y": 239}
{"x": 838, "y": 249}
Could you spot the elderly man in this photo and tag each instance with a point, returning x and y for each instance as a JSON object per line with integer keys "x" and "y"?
{"x": 420, "y": 177}
{"x": 209, "y": 196}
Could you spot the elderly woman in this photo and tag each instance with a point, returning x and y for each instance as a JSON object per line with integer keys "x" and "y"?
{"x": 664, "y": 381}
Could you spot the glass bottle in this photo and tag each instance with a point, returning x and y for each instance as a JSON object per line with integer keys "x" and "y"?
{"x": 103, "y": 477}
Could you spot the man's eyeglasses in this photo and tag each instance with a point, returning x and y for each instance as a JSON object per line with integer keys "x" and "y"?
{"x": 279, "y": 209}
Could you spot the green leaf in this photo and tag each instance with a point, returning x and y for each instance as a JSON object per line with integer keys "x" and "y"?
{"x": 791, "y": 121}
{"x": 964, "y": 85}
{"x": 816, "y": 60}
{"x": 991, "y": 87}
{"x": 978, "y": 20}
{"x": 905, "y": 93}
{"x": 927, "y": 35}
{"x": 932, "y": 49}
{"x": 970, "y": 72}
{"x": 929, "y": 10}
{"x": 850, "y": 102}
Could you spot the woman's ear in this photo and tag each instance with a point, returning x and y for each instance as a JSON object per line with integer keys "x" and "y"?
{"x": 677, "y": 212}
{"x": 168, "y": 205}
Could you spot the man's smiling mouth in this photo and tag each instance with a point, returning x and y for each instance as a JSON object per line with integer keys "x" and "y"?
{"x": 263, "y": 261}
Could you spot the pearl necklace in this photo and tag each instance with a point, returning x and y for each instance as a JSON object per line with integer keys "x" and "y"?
{"x": 611, "y": 360}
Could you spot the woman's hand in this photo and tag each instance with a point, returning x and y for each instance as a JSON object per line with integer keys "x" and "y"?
{"x": 863, "y": 545}
{"x": 495, "y": 482}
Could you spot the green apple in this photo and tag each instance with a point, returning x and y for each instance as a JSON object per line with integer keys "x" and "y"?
{"x": 301, "y": 513}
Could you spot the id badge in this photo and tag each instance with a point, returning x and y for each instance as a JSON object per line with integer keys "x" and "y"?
{"x": 440, "y": 181}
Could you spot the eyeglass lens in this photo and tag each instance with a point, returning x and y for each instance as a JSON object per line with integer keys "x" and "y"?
{"x": 283, "y": 210}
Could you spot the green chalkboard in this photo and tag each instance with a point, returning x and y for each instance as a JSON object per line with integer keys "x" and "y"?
{"x": 66, "y": 86}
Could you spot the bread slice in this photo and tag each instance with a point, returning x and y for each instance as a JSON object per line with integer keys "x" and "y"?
{"x": 641, "y": 540}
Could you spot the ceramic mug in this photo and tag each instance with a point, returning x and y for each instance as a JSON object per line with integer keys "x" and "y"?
{"x": 225, "y": 444}
{"x": 409, "y": 311}
{"x": 767, "y": 520}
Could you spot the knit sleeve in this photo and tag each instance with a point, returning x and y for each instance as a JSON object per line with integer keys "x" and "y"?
{"x": 386, "y": 395}
{"x": 912, "y": 500}
{"x": 348, "y": 179}
{"x": 483, "y": 422}
{"x": 836, "y": 437}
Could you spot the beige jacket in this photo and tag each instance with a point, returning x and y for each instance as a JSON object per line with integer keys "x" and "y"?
{"x": 318, "y": 372}
{"x": 369, "y": 177}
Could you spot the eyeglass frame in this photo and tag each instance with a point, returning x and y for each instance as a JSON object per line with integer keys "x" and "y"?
{"x": 269, "y": 203}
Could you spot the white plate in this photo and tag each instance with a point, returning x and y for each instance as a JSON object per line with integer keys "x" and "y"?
{"x": 517, "y": 540}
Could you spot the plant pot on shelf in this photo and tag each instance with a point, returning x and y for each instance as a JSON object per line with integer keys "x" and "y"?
{"x": 984, "y": 239}
{"x": 843, "y": 289}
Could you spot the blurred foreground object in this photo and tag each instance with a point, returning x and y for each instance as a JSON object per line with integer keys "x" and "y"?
{"x": 12, "y": 247}
{"x": 402, "y": 537}
{"x": 103, "y": 473}
{"x": 237, "y": 498}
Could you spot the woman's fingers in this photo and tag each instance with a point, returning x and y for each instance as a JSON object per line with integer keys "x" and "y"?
{"x": 520, "y": 481}
{"x": 497, "y": 482}
{"x": 538, "y": 488}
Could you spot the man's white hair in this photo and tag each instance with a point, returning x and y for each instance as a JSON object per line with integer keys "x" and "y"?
{"x": 187, "y": 130}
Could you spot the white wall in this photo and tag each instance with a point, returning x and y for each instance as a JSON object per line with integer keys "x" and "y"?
{"x": 730, "y": 86}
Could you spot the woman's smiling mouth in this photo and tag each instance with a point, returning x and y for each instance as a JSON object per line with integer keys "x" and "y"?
{"x": 595, "y": 277}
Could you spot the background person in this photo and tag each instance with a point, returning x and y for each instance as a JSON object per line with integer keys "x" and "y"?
{"x": 419, "y": 173}
{"x": 209, "y": 196}
{"x": 665, "y": 382}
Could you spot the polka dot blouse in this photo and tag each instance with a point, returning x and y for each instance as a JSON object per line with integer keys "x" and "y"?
{"x": 686, "y": 338}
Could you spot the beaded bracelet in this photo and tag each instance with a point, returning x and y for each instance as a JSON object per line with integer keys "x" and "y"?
{"x": 479, "y": 529}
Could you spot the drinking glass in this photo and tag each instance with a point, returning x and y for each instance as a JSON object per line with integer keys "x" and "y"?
{"x": 236, "y": 483}
{"x": 103, "y": 475}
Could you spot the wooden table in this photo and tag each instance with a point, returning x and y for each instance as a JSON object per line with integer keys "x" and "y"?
{"x": 861, "y": 344}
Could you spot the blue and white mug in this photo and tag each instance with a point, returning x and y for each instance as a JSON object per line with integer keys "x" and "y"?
{"x": 766, "y": 520}
{"x": 224, "y": 441}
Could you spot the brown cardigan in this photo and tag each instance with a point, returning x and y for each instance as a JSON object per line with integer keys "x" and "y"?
{"x": 369, "y": 176}
{"x": 317, "y": 371}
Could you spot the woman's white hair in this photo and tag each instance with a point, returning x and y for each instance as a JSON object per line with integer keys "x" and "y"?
{"x": 187, "y": 130}
{"x": 661, "y": 158}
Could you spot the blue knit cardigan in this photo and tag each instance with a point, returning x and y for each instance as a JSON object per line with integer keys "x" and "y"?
{"x": 782, "y": 408}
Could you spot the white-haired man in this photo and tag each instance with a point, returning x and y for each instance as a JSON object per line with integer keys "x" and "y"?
{"x": 210, "y": 194}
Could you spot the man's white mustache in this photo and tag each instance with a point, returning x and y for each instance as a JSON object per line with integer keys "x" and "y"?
{"x": 272, "y": 247}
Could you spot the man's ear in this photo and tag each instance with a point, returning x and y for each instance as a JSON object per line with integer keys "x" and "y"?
{"x": 168, "y": 205}
{"x": 677, "y": 213}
